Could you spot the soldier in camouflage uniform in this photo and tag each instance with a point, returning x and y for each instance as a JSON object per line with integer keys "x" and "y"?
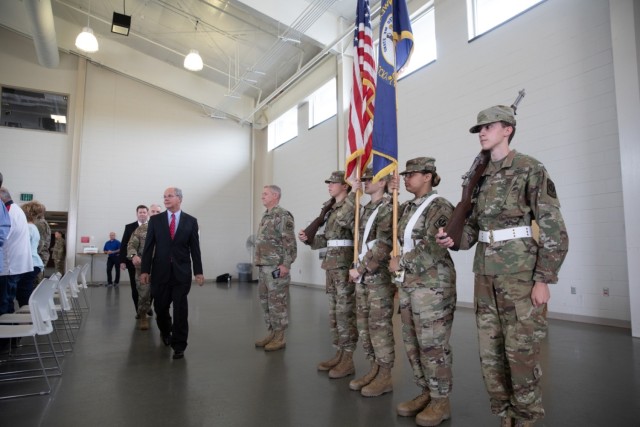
{"x": 338, "y": 239}
{"x": 276, "y": 250}
{"x": 45, "y": 239}
{"x": 134, "y": 254}
{"x": 427, "y": 291}
{"x": 512, "y": 270}
{"x": 59, "y": 252}
{"x": 374, "y": 290}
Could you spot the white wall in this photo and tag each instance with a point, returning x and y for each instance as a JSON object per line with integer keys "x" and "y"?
{"x": 561, "y": 53}
{"x": 136, "y": 142}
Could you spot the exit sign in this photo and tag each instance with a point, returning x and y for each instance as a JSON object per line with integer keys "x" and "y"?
{"x": 26, "y": 197}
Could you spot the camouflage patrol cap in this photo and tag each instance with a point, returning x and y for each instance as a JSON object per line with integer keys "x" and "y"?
{"x": 368, "y": 175}
{"x": 420, "y": 164}
{"x": 497, "y": 113}
{"x": 336, "y": 176}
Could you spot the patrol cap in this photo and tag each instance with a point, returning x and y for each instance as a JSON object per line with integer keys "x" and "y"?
{"x": 420, "y": 164}
{"x": 336, "y": 176}
{"x": 497, "y": 113}
{"x": 368, "y": 175}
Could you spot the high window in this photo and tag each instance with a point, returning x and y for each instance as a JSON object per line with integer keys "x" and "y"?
{"x": 484, "y": 15}
{"x": 424, "y": 29}
{"x": 283, "y": 129}
{"x": 323, "y": 103}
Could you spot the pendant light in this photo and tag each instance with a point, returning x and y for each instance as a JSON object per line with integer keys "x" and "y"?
{"x": 193, "y": 60}
{"x": 86, "y": 40}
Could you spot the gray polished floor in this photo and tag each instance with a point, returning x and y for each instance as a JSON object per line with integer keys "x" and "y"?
{"x": 120, "y": 376}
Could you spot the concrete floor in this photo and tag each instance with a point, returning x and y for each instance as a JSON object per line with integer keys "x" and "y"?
{"x": 120, "y": 376}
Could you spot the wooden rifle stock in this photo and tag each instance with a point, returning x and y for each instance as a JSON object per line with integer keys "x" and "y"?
{"x": 312, "y": 229}
{"x": 461, "y": 212}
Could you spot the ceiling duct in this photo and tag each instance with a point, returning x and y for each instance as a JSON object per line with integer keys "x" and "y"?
{"x": 43, "y": 30}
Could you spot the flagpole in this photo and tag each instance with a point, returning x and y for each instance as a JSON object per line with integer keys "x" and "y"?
{"x": 356, "y": 225}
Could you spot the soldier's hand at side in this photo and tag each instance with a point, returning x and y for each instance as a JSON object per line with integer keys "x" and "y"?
{"x": 354, "y": 275}
{"x": 540, "y": 294}
{"x": 144, "y": 278}
{"x": 136, "y": 260}
{"x": 200, "y": 279}
{"x": 443, "y": 240}
{"x": 394, "y": 264}
{"x": 123, "y": 266}
{"x": 283, "y": 270}
{"x": 302, "y": 236}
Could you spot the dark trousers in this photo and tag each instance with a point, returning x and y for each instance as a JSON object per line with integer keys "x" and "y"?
{"x": 113, "y": 261}
{"x": 8, "y": 287}
{"x": 131, "y": 269}
{"x": 164, "y": 295}
{"x": 26, "y": 285}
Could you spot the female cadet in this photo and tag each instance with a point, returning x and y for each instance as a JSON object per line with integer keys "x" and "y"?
{"x": 427, "y": 279}
{"x": 374, "y": 289}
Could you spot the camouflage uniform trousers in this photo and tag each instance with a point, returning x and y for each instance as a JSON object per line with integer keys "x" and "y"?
{"x": 374, "y": 313}
{"x": 342, "y": 309}
{"x": 59, "y": 265}
{"x": 45, "y": 260}
{"x": 144, "y": 295}
{"x": 274, "y": 298}
{"x": 510, "y": 329}
{"x": 427, "y": 317}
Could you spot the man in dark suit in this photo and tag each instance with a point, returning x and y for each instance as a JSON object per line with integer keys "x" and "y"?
{"x": 172, "y": 245}
{"x": 143, "y": 213}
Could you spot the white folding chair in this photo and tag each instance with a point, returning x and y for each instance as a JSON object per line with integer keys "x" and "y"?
{"x": 39, "y": 311}
{"x": 82, "y": 285}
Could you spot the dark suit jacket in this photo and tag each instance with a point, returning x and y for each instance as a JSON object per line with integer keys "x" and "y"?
{"x": 161, "y": 255}
{"x": 128, "y": 231}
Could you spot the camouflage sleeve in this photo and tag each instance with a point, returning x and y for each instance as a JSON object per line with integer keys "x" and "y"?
{"x": 289, "y": 244}
{"x": 470, "y": 231}
{"x": 319, "y": 242}
{"x": 382, "y": 247}
{"x": 134, "y": 244}
{"x": 348, "y": 218}
{"x": 553, "y": 243}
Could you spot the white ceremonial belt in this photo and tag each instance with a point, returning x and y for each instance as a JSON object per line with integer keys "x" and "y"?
{"x": 371, "y": 243}
{"x": 335, "y": 243}
{"x": 492, "y": 236}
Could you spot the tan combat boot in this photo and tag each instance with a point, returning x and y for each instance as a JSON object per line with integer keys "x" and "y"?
{"x": 143, "y": 323}
{"x": 381, "y": 384}
{"x": 412, "y": 407}
{"x": 344, "y": 368}
{"x": 357, "y": 384}
{"x": 266, "y": 340}
{"x": 436, "y": 412}
{"x": 277, "y": 342}
{"x": 328, "y": 364}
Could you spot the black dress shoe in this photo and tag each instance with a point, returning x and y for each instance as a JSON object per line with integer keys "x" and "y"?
{"x": 150, "y": 313}
{"x": 178, "y": 354}
{"x": 166, "y": 339}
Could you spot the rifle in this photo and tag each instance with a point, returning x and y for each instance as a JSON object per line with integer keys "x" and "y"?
{"x": 470, "y": 181}
{"x": 312, "y": 228}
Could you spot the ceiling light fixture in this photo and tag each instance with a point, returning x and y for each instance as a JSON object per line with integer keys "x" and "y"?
{"x": 121, "y": 22}
{"x": 193, "y": 60}
{"x": 86, "y": 41}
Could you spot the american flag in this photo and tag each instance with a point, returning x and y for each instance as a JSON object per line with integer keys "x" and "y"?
{"x": 363, "y": 93}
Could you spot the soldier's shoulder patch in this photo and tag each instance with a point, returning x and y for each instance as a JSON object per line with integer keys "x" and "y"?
{"x": 441, "y": 222}
{"x": 551, "y": 189}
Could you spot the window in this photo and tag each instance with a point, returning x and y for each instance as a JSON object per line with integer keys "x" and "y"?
{"x": 323, "y": 103}
{"x": 283, "y": 129}
{"x": 31, "y": 109}
{"x": 484, "y": 15}
{"x": 424, "y": 29}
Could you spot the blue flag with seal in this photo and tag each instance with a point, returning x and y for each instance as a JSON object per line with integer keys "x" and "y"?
{"x": 395, "y": 48}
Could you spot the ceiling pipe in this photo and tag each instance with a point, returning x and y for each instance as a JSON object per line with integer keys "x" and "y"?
{"x": 43, "y": 30}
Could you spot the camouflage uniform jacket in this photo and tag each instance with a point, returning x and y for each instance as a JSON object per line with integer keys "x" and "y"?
{"x": 136, "y": 242}
{"x": 376, "y": 259}
{"x": 45, "y": 238}
{"x": 339, "y": 226}
{"x": 275, "y": 240}
{"x": 59, "y": 250}
{"x": 516, "y": 191}
{"x": 427, "y": 264}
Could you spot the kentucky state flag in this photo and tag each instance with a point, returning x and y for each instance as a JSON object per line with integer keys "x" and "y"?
{"x": 396, "y": 46}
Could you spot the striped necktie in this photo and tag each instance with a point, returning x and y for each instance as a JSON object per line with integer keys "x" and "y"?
{"x": 172, "y": 226}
